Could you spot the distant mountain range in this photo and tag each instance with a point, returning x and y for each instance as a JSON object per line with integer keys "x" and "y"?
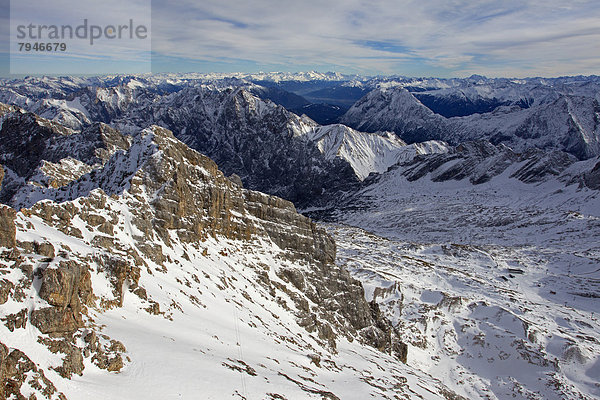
{"x": 229, "y": 118}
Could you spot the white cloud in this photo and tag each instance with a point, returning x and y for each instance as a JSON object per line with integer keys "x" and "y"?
{"x": 451, "y": 36}
{"x": 439, "y": 37}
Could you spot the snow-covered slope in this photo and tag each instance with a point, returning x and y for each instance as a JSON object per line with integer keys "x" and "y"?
{"x": 152, "y": 275}
{"x": 491, "y": 321}
{"x": 368, "y": 152}
{"x": 397, "y": 110}
{"x": 489, "y": 261}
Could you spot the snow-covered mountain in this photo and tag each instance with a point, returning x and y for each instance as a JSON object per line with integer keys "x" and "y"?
{"x": 149, "y": 274}
{"x": 556, "y": 113}
{"x": 489, "y": 261}
{"x": 395, "y": 110}
{"x": 270, "y": 148}
{"x": 476, "y": 262}
{"x": 368, "y": 153}
{"x": 562, "y": 117}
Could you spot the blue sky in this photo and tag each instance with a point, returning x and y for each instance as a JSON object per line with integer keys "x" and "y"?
{"x": 442, "y": 38}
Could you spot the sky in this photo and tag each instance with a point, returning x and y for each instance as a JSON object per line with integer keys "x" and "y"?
{"x": 442, "y": 38}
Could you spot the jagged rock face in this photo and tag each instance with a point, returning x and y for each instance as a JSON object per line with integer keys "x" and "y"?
{"x": 33, "y": 139}
{"x": 592, "y": 178}
{"x": 208, "y": 206}
{"x": 211, "y": 203}
{"x": 481, "y": 161}
{"x": 52, "y": 320}
{"x": 190, "y": 196}
{"x": 243, "y": 134}
{"x": 203, "y": 207}
{"x": 256, "y": 140}
{"x": 46, "y": 154}
{"x": 398, "y": 111}
{"x": 5, "y": 288}
{"x": 7, "y": 226}
{"x": 540, "y": 165}
{"x": 16, "y": 369}
{"x": 309, "y": 239}
{"x": 146, "y": 204}
{"x": 24, "y": 140}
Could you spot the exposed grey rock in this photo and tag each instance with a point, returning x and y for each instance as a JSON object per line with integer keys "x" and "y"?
{"x": 481, "y": 161}
{"x": 235, "y": 178}
{"x": 305, "y": 238}
{"x": 6, "y": 287}
{"x": 16, "y": 369}
{"x": 8, "y": 229}
{"x": 592, "y": 178}
{"x": 34, "y": 149}
{"x": 120, "y": 272}
{"x": 54, "y": 320}
{"x": 540, "y": 164}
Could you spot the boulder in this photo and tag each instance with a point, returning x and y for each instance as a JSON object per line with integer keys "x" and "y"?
{"x": 68, "y": 285}
{"x": 16, "y": 320}
{"x": 55, "y": 320}
{"x": 235, "y": 179}
{"x": 65, "y": 288}
{"x": 5, "y": 288}
{"x": 59, "y": 284}
{"x": 44, "y": 249}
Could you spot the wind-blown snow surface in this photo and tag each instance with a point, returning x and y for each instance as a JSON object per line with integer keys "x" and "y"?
{"x": 496, "y": 286}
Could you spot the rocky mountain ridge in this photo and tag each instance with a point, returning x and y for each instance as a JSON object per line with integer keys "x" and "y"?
{"x": 566, "y": 121}
{"x": 151, "y": 230}
{"x": 276, "y": 151}
{"x": 270, "y": 148}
